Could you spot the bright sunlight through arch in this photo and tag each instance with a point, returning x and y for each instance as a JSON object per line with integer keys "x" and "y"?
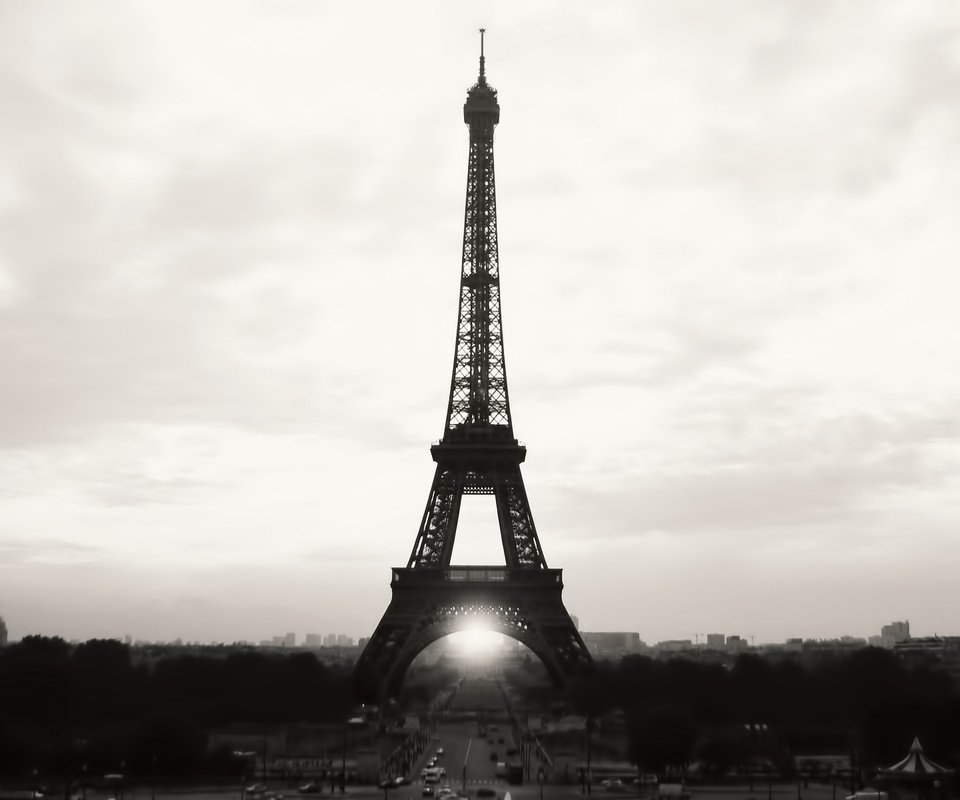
{"x": 477, "y": 641}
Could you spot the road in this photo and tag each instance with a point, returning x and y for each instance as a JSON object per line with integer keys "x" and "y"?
{"x": 467, "y": 754}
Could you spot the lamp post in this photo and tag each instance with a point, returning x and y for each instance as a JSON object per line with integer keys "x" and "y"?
{"x": 586, "y": 776}
{"x": 343, "y": 762}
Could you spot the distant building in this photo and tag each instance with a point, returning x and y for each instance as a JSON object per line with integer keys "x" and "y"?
{"x": 675, "y": 645}
{"x": 330, "y": 640}
{"x": 290, "y": 640}
{"x": 611, "y": 642}
{"x": 794, "y": 645}
{"x": 362, "y": 641}
{"x": 843, "y": 645}
{"x": 575, "y": 620}
{"x": 313, "y": 640}
{"x": 344, "y": 641}
{"x": 856, "y": 641}
{"x": 941, "y": 652}
{"x": 736, "y": 643}
{"x": 893, "y": 633}
{"x": 716, "y": 641}
{"x": 927, "y": 650}
{"x": 3, "y": 632}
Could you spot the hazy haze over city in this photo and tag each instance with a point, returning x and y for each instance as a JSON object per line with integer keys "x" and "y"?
{"x": 229, "y": 257}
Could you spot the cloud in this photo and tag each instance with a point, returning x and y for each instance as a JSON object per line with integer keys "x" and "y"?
{"x": 48, "y": 551}
{"x": 756, "y": 474}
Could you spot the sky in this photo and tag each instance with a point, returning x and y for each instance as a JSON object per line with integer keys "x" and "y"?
{"x": 229, "y": 261}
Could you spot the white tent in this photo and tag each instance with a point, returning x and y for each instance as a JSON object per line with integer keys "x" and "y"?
{"x": 916, "y": 764}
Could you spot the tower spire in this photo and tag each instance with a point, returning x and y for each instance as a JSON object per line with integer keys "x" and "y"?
{"x": 483, "y": 76}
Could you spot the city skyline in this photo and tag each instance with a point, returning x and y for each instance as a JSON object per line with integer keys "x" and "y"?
{"x": 228, "y": 274}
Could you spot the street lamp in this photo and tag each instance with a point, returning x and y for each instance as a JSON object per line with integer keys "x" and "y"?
{"x": 343, "y": 761}
{"x": 587, "y": 773}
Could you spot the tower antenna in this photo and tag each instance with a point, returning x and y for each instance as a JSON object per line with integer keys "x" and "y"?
{"x": 483, "y": 77}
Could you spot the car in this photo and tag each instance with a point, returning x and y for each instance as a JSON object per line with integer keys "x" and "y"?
{"x": 423, "y": 772}
{"x": 256, "y": 788}
{"x": 443, "y": 772}
{"x": 427, "y": 791}
{"x": 313, "y": 787}
{"x": 614, "y": 785}
{"x": 444, "y": 791}
{"x": 401, "y": 780}
{"x": 486, "y": 791}
{"x": 439, "y": 751}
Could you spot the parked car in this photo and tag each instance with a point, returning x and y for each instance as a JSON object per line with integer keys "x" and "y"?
{"x": 614, "y": 785}
{"x": 256, "y": 788}
{"x": 311, "y": 788}
{"x": 427, "y": 791}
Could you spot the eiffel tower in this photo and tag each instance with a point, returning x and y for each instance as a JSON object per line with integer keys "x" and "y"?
{"x": 477, "y": 455}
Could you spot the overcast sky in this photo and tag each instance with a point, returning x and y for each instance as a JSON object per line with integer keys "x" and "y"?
{"x": 229, "y": 260}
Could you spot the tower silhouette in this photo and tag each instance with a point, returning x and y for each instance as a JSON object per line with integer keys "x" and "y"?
{"x": 477, "y": 455}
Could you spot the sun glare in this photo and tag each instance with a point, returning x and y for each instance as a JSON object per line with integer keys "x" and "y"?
{"x": 477, "y": 641}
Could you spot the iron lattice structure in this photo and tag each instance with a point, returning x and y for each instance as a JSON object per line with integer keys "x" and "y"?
{"x": 478, "y": 454}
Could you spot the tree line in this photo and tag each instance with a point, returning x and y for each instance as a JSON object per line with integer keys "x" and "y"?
{"x": 89, "y": 708}
{"x": 759, "y": 712}
{"x": 63, "y": 707}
